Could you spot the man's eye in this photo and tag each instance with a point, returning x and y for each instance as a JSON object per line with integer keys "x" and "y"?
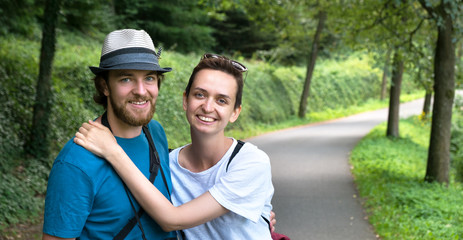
{"x": 222, "y": 101}
{"x": 199, "y": 95}
{"x": 150, "y": 78}
{"x": 125, "y": 80}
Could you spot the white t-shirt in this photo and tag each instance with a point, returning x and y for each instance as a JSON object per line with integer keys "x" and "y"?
{"x": 246, "y": 190}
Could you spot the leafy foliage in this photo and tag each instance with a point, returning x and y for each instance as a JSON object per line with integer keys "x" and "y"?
{"x": 22, "y": 194}
{"x": 161, "y": 19}
{"x": 238, "y": 34}
{"x": 456, "y": 146}
{"x": 89, "y": 17}
{"x": 20, "y": 186}
{"x": 18, "y": 71}
{"x": 23, "y": 180}
{"x": 18, "y": 17}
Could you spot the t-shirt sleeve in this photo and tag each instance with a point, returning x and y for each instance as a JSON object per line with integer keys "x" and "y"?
{"x": 68, "y": 201}
{"x": 247, "y": 184}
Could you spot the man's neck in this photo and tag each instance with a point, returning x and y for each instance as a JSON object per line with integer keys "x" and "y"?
{"x": 120, "y": 128}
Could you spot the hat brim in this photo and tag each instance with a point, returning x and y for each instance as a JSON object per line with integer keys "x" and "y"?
{"x": 131, "y": 66}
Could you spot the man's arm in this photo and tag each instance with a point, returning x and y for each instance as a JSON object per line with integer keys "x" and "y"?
{"x": 49, "y": 237}
{"x": 66, "y": 208}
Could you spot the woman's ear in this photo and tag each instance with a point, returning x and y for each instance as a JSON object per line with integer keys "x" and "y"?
{"x": 184, "y": 101}
{"x": 235, "y": 114}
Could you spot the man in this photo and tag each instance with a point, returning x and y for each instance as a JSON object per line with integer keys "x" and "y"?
{"x": 85, "y": 197}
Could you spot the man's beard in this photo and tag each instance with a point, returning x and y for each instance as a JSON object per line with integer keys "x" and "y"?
{"x": 124, "y": 115}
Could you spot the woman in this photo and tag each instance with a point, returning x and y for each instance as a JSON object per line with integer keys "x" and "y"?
{"x": 212, "y": 200}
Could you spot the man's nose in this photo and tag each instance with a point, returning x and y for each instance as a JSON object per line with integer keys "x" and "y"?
{"x": 139, "y": 87}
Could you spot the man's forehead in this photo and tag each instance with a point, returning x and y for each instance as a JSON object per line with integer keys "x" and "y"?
{"x": 131, "y": 72}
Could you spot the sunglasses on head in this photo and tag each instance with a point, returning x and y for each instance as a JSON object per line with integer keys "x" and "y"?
{"x": 239, "y": 66}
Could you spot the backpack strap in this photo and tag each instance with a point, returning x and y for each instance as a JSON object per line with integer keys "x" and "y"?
{"x": 235, "y": 151}
{"x": 155, "y": 165}
{"x": 268, "y": 222}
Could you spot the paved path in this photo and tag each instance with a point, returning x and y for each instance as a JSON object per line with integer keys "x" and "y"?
{"x": 315, "y": 197}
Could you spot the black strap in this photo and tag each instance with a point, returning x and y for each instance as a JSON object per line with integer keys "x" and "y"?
{"x": 267, "y": 221}
{"x": 235, "y": 151}
{"x": 155, "y": 165}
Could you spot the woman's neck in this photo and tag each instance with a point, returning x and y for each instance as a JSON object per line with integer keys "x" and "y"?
{"x": 204, "y": 152}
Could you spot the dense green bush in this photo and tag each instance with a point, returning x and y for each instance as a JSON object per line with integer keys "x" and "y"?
{"x": 340, "y": 84}
{"x": 18, "y": 71}
{"x": 22, "y": 181}
{"x": 456, "y": 147}
{"x": 169, "y": 108}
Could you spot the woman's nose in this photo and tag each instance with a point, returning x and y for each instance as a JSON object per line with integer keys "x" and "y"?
{"x": 208, "y": 105}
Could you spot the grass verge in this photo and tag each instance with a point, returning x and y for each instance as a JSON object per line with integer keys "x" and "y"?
{"x": 389, "y": 175}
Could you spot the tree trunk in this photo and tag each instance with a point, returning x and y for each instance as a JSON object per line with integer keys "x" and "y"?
{"x": 394, "y": 98}
{"x": 427, "y": 103}
{"x": 384, "y": 81}
{"x": 444, "y": 92}
{"x": 311, "y": 64}
{"x": 38, "y": 143}
{"x": 459, "y": 52}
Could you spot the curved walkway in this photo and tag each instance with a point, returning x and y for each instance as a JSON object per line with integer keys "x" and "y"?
{"x": 315, "y": 197}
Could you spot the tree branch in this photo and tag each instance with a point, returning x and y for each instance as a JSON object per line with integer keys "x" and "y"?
{"x": 431, "y": 11}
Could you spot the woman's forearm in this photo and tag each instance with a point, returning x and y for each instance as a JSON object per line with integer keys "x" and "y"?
{"x": 196, "y": 212}
{"x": 99, "y": 140}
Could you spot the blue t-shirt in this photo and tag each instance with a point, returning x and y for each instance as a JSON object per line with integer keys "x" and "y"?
{"x": 86, "y": 198}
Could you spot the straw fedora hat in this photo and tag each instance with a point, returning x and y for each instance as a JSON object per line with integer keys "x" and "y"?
{"x": 129, "y": 49}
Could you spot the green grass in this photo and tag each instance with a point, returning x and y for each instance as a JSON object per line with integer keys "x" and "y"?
{"x": 389, "y": 174}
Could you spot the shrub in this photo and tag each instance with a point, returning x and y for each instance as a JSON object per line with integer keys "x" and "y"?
{"x": 456, "y": 149}
{"x": 18, "y": 71}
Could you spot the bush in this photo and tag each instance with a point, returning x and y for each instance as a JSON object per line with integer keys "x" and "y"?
{"x": 19, "y": 187}
{"x": 22, "y": 194}
{"x": 24, "y": 179}
{"x": 169, "y": 108}
{"x": 18, "y": 71}
{"x": 456, "y": 143}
